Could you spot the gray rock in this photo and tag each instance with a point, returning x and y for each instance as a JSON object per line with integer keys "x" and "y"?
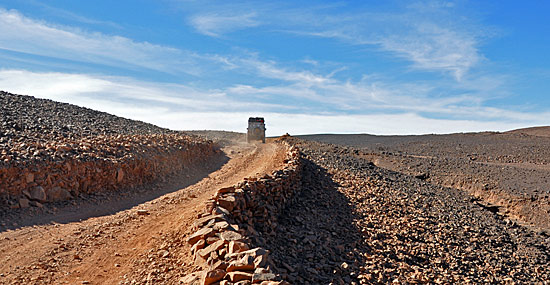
{"x": 24, "y": 203}
{"x": 58, "y": 194}
{"x": 38, "y": 194}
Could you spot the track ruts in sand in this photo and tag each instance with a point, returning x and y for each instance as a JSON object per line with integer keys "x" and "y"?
{"x": 128, "y": 246}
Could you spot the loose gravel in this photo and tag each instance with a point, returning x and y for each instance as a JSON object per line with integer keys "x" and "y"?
{"x": 355, "y": 223}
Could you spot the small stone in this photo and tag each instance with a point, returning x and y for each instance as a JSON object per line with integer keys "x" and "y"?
{"x": 223, "y": 251}
{"x": 237, "y": 246}
{"x": 260, "y": 260}
{"x": 163, "y": 253}
{"x": 287, "y": 266}
{"x": 219, "y": 226}
{"x": 205, "y": 252}
{"x": 246, "y": 263}
{"x": 198, "y": 245}
{"x": 344, "y": 265}
{"x": 200, "y": 234}
{"x": 190, "y": 278}
{"x": 219, "y": 210}
{"x": 24, "y": 203}
{"x": 260, "y": 277}
{"x": 226, "y": 190}
{"x": 238, "y": 276}
{"x": 212, "y": 239}
{"x": 229, "y": 236}
{"x": 204, "y": 220}
{"x": 142, "y": 212}
{"x": 252, "y": 252}
{"x": 227, "y": 202}
{"x": 119, "y": 175}
{"x": 220, "y": 264}
{"x": 29, "y": 178}
{"x": 213, "y": 276}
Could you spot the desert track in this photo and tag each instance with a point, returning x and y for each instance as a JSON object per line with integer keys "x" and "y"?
{"x": 125, "y": 246}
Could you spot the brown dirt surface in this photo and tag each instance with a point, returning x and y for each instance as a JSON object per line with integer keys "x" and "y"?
{"x": 143, "y": 244}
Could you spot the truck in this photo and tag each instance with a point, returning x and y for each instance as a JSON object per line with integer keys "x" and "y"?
{"x": 256, "y": 129}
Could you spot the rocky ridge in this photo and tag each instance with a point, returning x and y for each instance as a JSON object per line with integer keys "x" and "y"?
{"x": 235, "y": 220}
{"x": 505, "y": 171}
{"x": 356, "y": 223}
{"x": 51, "y": 151}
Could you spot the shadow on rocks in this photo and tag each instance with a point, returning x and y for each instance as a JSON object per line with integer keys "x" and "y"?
{"x": 315, "y": 238}
{"x": 87, "y": 206}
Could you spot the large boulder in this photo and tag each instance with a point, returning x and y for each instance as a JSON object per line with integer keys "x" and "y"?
{"x": 37, "y": 194}
{"x": 58, "y": 194}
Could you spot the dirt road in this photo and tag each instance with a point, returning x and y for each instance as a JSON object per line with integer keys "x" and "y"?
{"x": 128, "y": 247}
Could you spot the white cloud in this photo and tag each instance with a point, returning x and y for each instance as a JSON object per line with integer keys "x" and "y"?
{"x": 216, "y": 24}
{"x": 73, "y": 16}
{"x": 432, "y": 47}
{"x": 296, "y": 124}
{"x": 107, "y": 93}
{"x": 323, "y": 92}
{"x": 21, "y": 34}
{"x": 181, "y": 107}
{"x": 427, "y": 45}
{"x": 433, "y": 36}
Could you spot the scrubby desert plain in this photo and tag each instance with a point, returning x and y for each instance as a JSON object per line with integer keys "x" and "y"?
{"x": 91, "y": 198}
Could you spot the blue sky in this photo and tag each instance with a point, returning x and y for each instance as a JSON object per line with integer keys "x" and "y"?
{"x": 383, "y": 67}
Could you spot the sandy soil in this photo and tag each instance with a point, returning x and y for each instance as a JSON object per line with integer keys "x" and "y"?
{"x": 127, "y": 246}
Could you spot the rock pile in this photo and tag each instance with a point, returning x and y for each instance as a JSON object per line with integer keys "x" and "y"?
{"x": 235, "y": 220}
{"x": 381, "y": 226}
{"x": 506, "y": 170}
{"x": 51, "y": 151}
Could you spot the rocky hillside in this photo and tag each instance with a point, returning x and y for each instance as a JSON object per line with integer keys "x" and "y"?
{"x": 356, "y": 223}
{"x": 506, "y": 171}
{"x": 43, "y": 118}
{"x": 543, "y": 131}
{"x": 53, "y": 151}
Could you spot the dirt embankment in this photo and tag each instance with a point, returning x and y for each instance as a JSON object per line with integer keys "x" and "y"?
{"x": 101, "y": 164}
{"x": 51, "y": 151}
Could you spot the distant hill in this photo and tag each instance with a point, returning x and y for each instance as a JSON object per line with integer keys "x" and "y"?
{"x": 543, "y": 131}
